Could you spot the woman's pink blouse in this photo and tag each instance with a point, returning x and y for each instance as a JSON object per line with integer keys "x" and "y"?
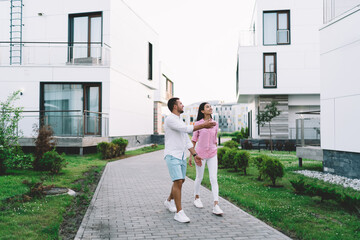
{"x": 205, "y": 139}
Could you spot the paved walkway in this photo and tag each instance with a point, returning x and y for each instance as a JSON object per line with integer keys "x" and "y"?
{"x": 128, "y": 204}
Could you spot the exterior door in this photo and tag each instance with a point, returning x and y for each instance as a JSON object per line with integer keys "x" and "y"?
{"x": 92, "y": 120}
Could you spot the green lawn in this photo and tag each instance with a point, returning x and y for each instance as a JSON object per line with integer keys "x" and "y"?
{"x": 300, "y": 217}
{"x": 41, "y": 218}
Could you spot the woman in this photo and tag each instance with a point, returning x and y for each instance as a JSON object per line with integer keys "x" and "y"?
{"x": 206, "y": 147}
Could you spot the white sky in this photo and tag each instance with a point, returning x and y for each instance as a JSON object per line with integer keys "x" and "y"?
{"x": 198, "y": 43}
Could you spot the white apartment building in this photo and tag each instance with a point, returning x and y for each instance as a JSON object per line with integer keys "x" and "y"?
{"x": 88, "y": 68}
{"x": 340, "y": 87}
{"x": 231, "y": 117}
{"x": 278, "y": 59}
{"x": 164, "y": 92}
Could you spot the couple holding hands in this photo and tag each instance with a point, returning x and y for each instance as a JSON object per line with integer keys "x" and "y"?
{"x": 202, "y": 147}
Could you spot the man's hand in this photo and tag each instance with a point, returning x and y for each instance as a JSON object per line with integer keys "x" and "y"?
{"x": 190, "y": 160}
{"x": 198, "y": 160}
{"x": 209, "y": 124}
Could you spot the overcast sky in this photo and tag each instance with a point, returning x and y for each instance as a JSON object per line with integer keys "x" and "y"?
{"x": 198, "y": 43}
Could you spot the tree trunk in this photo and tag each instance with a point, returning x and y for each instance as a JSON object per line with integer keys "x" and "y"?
{"x": 271, "y": 144}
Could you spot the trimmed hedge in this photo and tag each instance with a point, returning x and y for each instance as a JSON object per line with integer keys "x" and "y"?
{"x": 272, "y": 168}
{"x": 241, "y": 161}
{"x": 52, "y": 161}
{"x": 113, "y": 149}
{"x": 349, "y": 202}
{"x": 231, "y": 144}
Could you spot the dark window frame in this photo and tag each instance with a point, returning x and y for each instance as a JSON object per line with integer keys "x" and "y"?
{"x": 150, "y": 61}
{"x": 275, "y": 69}
{"x": 277, "y": 27}
{"x": 84, "y": 85}
{"x": 71, "y": 29}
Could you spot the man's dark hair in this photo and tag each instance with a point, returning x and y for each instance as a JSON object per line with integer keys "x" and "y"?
{"x": 171, "y": 103}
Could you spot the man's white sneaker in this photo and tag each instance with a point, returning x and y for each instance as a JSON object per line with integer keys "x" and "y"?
{"x": 198, "y": 203}
{"x": 181, "y": 217}
{"x": 169, "y": 206}
{"x": 217, "y": 210}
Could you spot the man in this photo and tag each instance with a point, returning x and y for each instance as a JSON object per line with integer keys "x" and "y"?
{"x": 177, "y": 142}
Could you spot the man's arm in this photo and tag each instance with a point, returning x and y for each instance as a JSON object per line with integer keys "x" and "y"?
{"x": 176, "y": 125}
{"x": 206, "y": 124}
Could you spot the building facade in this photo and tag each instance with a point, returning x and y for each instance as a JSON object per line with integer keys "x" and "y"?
{"x": 87, "y": 68}
{"x": 164, "y": 92}
{"x": 278, "y": 59}
{"x": 340, "y": 87}
{"x": 231, "y": 117}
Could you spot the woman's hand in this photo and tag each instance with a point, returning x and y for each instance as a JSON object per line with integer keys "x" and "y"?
{"x": 190, "y": 160}
{"x": 198, "y": 160}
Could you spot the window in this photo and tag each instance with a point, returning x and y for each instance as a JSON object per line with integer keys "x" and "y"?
{"x": 85, "y": 36}
{"x": 150, "y": 64}
{"x": 169, "y": 89}
{"x": 276, "y": 27}
{"x": 71, "y": 109}
{"x": 269, "y": 70}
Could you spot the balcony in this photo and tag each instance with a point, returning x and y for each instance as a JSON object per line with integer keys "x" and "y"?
{"x": 72, "y": 123}
{"x": 54, "y": 54}
{"x": 335, "y": 8}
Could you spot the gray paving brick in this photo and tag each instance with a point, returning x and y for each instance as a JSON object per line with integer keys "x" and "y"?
{"x": 128, "y": 204}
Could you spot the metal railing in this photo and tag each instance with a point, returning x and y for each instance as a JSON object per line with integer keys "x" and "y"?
{"x": 57, "y": 53}
{"x": 71, "y": 123}
{"x": 307, "y": 132}
{"x": 334, "y": 8}
{"x": 269, "y": 79}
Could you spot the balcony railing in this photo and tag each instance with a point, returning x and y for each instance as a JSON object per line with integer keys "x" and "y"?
{"x": 57, "y": 53}
{"x": 334, "y": 8}
{"x": 269, "y": 80}
{"x": 247, "y": 38}
{"x": 73, "y": 123}
{"x": 307, "y": 132}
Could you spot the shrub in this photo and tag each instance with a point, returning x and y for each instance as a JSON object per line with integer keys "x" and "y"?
{"x": 20, "y": 161}
{"x": 122, "y": 143}
{"x": 259, "y": 163}
{"x": 44, "y": 142}
{"x": 289, "y": 146}
{"x": 279, "y": 145}
{"x": 9, "y": 135}
{"x": 220, "y": 154}
{"x": 247, "y": 145}
{"x": 272, "y": 168}
{"x": 108, "y": 150}
{"x": 52, "y": 161}
{"x": 229, "y": 158}
{"x": 231, "y": 144}
{"x": 241, "y": 161}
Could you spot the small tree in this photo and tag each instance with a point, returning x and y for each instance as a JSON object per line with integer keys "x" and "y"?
{"x": 44, "y": 142}
{"x": 267, "y": 116}
{"x": 272, "y": 168}
{"x": 9, "y": 119}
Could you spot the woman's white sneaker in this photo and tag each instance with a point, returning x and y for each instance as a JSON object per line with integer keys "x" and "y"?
{"x": 198, "y": 203}
{"x": 217, "y": 210}
{"x": 170, "y": 205}
{"x": 181, "y": 217}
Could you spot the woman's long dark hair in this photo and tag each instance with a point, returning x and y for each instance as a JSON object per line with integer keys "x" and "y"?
{"x": 200, "y": 114}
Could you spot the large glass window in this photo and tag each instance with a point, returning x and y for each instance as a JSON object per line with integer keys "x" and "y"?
{"x": 276, "y": 27}
{"x": 150, "y": 63}
{"x": 71, "y": 109}
{"x": 85, "y": 35}
{"x": 270, "y": 70}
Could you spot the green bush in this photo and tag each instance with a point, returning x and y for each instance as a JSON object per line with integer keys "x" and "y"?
{"x": 220, "y": 155}
{"x": 20, "y": 161}
{"x": 122, "y": 143}
{"x": 52, "y": 161}
{"x": 272, "y": 168}
{"x": 231, "y": 144}
{"x": 108, "y": 150}
{"x": 229, "y": 158}
{"x": 44, "y": 142}
{"x": 241, "y": 161}
{"x": 259, "y": 163}
{"x": 325, "y": 193}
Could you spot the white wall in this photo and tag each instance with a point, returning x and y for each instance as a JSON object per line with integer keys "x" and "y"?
{"x": 340, "y": 85}
{"x": 127, "y": 94}
{"x": 298, "y": 64}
